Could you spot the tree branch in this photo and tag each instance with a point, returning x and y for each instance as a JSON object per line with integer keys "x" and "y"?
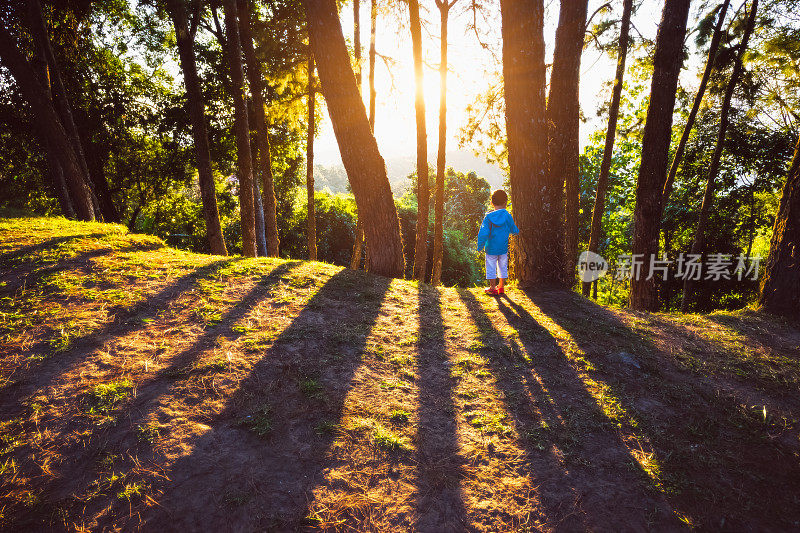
{"x": 607, "y": 5}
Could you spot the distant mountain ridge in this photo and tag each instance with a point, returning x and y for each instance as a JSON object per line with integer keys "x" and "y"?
{"x": 334, "y": 177}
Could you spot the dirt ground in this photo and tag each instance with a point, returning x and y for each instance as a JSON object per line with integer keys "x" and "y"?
{"x": 147, "y": 388}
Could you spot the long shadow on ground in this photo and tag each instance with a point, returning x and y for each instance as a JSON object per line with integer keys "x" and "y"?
{"x": 14, "y": 257}
{"x": 232, "y": 478}
{"x": 18, "y": 272}
{"x": 72, "y": 477}
{"x": 46, "y": 367}
{"x": 439, "y": 499}
{"x": 721, "y": 467}
{"x": 585, "y": 474}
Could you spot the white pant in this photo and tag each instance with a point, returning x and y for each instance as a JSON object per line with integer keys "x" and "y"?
{"x": 497, "y": 266}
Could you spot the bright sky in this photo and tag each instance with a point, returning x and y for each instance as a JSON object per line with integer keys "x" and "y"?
{"x": 471, "y": 72}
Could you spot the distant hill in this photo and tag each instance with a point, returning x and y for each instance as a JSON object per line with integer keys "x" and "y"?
{"x": 334, "y": 177}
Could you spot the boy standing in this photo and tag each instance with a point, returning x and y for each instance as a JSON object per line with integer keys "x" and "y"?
{"x": 493, "y": 235}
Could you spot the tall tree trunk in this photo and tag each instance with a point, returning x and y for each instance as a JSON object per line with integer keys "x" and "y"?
{"x": 56, "y": 173}
{"x": 263, "y": 160}
{"x": 48, "y": 124}
{"x": 537, "y": 201}
{"x": 611, "y": 133}
{"x": 59, "y": 184}
{"x": 62, "y": 106}
{"x": 258, "y": 206}
{"x": 194, "y": 98}
{"x": 357, "y": 40}
{"x": 423, "y": 195}
{"x": 780, "y": 285}
{"x": 253, "y": 74}
{"x": 362, "y": 160}
{"x": 358, "y": 245}
{"x": 699, "y": 242}
{"x": 242, "y": 130}
{"x": 698, "y": 98}
{"x": 438, "y": 225}
{"x": 563, "y": 121}
{"x": 95, "y": 158}
{"x": 655, "y": 146}
{"x": 373, "y": 20}
{"x": 311, "y": 224}
{"x": 358, "y": 241}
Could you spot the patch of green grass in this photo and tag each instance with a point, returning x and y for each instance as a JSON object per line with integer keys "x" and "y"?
{"x": 609, "y": 402}
{"x": 489, "y": 423}
{"x": 260, "y": 422}
{"x": 236, "y": 497}
{"x": 469, "y": 394}
{"x": 209, "y": 314}
{"x": 326, "y": 427}
{"x": 149, "y": 432}
{"x": 285, "y": 298}
{"x": 399, "y": 416}
{"x": 388, "y": 440}
{"x": 467, "y": 364}
{"x": 401, "y": 360}
{"x": 260, "y": 341}
{"x": 106, "y": 461}
{"x": 393, "y": 385}
{"x": 104, "y": 398}
{"x": 539, "y": 436}
{"x": 36, "y": 407}
{"x": 381, "y": 436}
{"x": 310, "y": 387}
{"x": 129, "y": 491}
{"x": 66, "y": 283}
{"x": 9, "y": 467}
{"x": 477, "y": 345}
{"x": 10, "y": 435}
{"x": 243, "y": 329}
{"x": 105, "y": 484}
{"x": 302, "y": 282}
{"x": 215, "y": 365}
{"x": 407, "y": 374}
{"x": 31, "y": 499}
{"x": 62, "y": 340}
{"x": 378, "y": 351}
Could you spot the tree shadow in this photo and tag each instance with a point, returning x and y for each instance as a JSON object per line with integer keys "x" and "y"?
{"x": 22, "y": 275}
{"x": 439, "y": 504}
{"x": 762, "y": 364}
{"x": 764, "y": 328}
{"x": 8, "y": 259}
{"x": 583, "y": 470}
{"x": 268, "y": 448}
{"x": 162, "y": 382}
{"x": 118, "y": 440}
{"x": 46, "y": 366}
{"x": 716, "y": 462}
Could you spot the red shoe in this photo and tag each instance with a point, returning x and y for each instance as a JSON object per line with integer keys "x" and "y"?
{"x": 491, "y": 292}
{"x": 501, "y": 290}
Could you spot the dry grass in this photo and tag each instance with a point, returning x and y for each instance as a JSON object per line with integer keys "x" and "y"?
{"x": 144, "y": 387}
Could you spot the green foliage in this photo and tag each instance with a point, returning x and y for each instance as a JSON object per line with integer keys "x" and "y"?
{"x": 336, "y": 226}
{"x": 752, "y": 170}
{"x": 465, "y": 202}
{"x": 104, "y": 397}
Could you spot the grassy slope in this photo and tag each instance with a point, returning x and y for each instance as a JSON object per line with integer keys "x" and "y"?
{"x": 140, "y": 385}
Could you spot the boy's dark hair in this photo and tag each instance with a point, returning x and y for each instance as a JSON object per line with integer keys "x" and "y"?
{"x": 499, "y": 197}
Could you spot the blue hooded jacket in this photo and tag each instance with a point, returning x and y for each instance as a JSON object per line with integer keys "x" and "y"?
{"x": 497, "y": 226}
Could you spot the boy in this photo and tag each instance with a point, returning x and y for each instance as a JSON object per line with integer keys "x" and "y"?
{"x": 493, "y": 235}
